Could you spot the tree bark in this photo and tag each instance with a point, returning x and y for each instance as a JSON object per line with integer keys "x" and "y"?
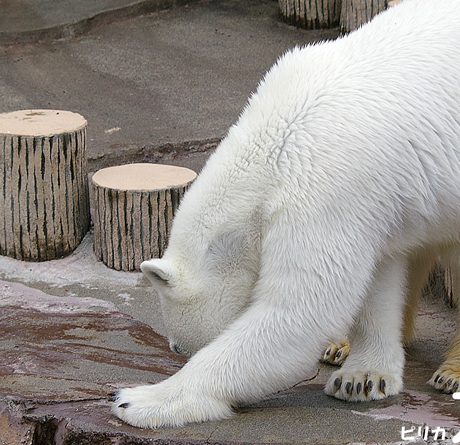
{"x": 44, "y": 196}
{"x": 357, "y": 12}
{"x": 134, "y": 206}
{"x": 310, "y": 14}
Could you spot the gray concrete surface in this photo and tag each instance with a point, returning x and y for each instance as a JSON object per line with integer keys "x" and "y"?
{"x": 30, "y": 21}
{"x": 161, "y": 87}
{"x": 150, "y": 87}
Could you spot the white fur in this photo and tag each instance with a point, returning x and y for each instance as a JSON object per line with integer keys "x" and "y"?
{"x": 343, "y": 167}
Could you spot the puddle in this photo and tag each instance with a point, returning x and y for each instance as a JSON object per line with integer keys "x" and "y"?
{"x": 421, "y": 409}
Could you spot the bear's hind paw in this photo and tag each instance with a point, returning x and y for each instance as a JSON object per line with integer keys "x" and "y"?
{"x": 446, "y": 379}
{"x": 337, "y": 354}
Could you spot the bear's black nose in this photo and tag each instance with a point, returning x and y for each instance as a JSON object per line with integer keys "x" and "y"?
{"x": 178, "y": 350}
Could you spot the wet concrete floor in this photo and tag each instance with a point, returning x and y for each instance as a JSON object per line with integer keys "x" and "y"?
{"x": 62, "y": 352}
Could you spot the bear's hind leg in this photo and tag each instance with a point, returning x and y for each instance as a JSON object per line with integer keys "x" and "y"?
{"x": 374, "y": 367}
{"x": 447, "y": 377}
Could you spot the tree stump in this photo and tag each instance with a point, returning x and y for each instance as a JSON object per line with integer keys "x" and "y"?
{"x": 357, "y": 12}
{"x": 134, "y": 206}
{"x": 310, "y": 14}
{"x": 44, "y": 196}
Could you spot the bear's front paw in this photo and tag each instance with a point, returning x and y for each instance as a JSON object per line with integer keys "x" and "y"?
{"x": 162, "y": 405}
{"x": 142, "y": 407}
{"x": 361, "y": 386}
{"x": 446, "y": 379}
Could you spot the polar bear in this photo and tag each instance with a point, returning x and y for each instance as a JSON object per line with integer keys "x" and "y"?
{"x": 321, "y": 212}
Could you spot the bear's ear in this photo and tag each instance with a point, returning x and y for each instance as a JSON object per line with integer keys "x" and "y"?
{"x": 159, "y": 272}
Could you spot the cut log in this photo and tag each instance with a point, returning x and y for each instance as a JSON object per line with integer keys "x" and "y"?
{"x": 134, "y": 206}
{"x": 357, "y": 12}
{"x": 44, "y": 195}
{"x": 310, "y": 14}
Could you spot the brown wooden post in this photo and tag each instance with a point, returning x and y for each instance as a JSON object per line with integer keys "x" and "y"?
{"x": 44, "y": 196}
{"x": 134, "y": 206}
{"x": 357, "y": 12}
{"x": 310, "y": 14}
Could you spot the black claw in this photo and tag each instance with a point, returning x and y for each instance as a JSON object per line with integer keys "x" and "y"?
{"x": 456, "y": 384}
{"x": 368, "y": 387}
{"x": 358, "y": 387}
{"x": 449, "y": 382}
{"x": 383, "y": 385}
{"x": 328, "y": 352}
{"x": 338, "y": 354}
{"x": 348, "y": 388}
{"x": 113, "y": 394}
{"x": 112, "y": 399}
{"x": 441, "y": 379}
{"x": 123, "y": 405}
{"x": 337, "y": 382}
{"x": 437, "y": 378}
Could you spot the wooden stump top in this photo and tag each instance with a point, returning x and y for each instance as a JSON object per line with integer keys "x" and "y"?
{"x": 143, "y": 177}
{"x": 40, "y": 122}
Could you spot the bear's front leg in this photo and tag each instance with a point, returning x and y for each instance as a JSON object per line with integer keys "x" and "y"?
{"x": 262, "y": 352}
{"x": 374, "y": 367}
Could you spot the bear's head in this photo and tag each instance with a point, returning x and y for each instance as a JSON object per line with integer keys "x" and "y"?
{"x": 203, "y": 288}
